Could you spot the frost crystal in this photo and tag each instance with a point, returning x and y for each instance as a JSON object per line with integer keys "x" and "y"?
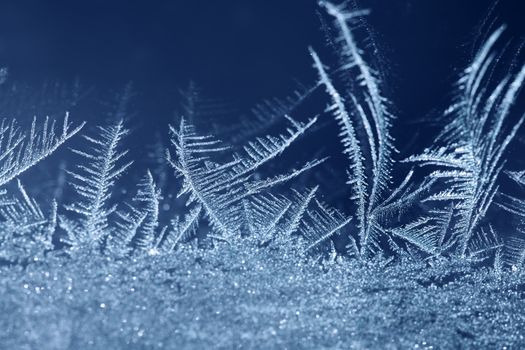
{"x": 247, "y": 255}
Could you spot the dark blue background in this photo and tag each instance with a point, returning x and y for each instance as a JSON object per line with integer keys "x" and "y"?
{"x": 241, "y": 51}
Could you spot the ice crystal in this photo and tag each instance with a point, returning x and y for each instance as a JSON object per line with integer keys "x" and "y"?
{"x": 247, "y": 256}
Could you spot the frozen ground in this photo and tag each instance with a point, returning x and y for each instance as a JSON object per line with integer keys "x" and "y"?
{"x": 239, "y": 297}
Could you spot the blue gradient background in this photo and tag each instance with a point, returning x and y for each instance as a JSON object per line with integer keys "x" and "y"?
{"x": 240, "y": 52}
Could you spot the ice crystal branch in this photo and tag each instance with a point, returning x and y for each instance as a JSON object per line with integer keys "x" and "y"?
{"x": 20, "y": 151}
{"x": 93, "y": 183}
{"x": 25, "y": 231}
{"x": 365, "y": 120}
{"x": 469, "y": 153}
{"x": 321, "y": 223}
{"x": 220, "y": 188}
{"x": 149, "y": 196}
